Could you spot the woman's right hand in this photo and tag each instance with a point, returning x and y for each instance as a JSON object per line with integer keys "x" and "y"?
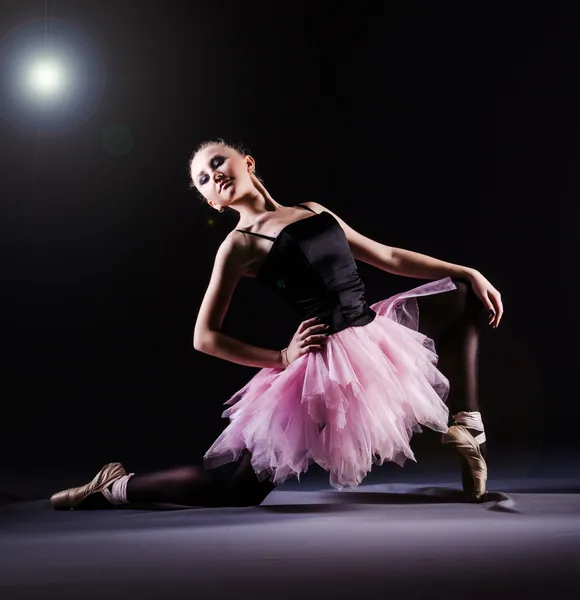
{"x": 309, "y": 336}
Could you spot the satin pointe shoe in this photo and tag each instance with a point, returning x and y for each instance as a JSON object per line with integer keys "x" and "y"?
{"x": 474, "y": 475}
{"x": 73, "y": 497}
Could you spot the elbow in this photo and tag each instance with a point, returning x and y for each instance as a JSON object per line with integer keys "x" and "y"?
{"x": 198, "y": 343}
{"x": 202, "y": 340}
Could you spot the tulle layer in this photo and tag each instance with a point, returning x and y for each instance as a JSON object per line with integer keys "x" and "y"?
{"x": 355, "y": 403}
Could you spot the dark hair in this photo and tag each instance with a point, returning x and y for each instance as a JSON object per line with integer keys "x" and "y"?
{"x": 238, "y": 147}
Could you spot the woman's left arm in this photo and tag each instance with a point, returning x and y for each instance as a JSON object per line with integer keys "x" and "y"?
{"x": 413, "y": 264}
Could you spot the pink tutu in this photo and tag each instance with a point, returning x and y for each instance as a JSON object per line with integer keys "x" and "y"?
{"x": 355, "y": 403}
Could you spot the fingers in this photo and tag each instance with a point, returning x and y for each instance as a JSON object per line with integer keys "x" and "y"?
{"x": 305, "y": 324}
{"x": 314, "y": 328}
{"x": 495, "y": 308}
{"x": 310, "y": 335}
{"x": 313, "y": 342}
{"x": 498, "y": 305}
{"x": 489, "y": 306}
{"x": 313, "y": 339}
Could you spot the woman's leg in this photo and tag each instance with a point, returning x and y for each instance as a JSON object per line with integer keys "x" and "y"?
{"x": 235, "y": 484}
{"x": 196, "y": 486}
{"x": 242, "y": 487}
{"x": 454, "y": 321}
{"x": 186, "y": 485}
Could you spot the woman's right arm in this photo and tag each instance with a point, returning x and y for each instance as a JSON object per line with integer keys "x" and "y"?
{"x": 231, "y": 263}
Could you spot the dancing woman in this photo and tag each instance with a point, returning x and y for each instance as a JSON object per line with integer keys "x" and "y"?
{"x": 355, "y": 381}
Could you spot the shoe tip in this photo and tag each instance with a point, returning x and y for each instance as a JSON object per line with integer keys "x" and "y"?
{"x": 59, "y": 500}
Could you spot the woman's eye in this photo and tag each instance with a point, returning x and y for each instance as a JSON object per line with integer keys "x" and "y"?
{"x": 217, "y": 161}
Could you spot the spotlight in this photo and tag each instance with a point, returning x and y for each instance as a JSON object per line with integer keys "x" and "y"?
{"x": 46, "y": 77}
{"x": 52, "y": 76}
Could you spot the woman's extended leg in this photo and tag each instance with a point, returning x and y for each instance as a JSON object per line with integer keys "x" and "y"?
{"x": 237, "y": 485}
{"x": 196, "y": 486}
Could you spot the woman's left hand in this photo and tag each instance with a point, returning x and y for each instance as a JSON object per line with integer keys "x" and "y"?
{"x": 490, "y": 297}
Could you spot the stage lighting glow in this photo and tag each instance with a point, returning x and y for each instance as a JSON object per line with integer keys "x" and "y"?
{"x": 52, "y": 76}
{"x": 46, "y": 77}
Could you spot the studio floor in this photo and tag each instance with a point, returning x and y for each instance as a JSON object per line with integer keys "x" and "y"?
{"x": 411, "y": 538}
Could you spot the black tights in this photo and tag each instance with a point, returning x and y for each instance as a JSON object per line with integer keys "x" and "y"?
{"x": 453, "y": 319}
{"x": 233, "y": 485}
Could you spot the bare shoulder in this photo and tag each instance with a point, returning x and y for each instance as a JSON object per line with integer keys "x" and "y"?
{"x": 235, "y": 254}
{"x": 363, "y": 247}
{"x": 230, "y": 265}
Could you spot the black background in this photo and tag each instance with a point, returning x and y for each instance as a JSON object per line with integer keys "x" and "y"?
{"x": 446, "y": 128}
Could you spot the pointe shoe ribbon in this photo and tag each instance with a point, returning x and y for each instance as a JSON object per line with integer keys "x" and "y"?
{"x": 465, "y": 444}
{"x": 72, "y": 497}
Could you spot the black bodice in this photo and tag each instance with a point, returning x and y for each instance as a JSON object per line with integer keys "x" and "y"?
{"x": 311, "y": 266}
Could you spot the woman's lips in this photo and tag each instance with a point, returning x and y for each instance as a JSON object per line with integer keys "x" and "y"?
{"x": 225, "y": 184}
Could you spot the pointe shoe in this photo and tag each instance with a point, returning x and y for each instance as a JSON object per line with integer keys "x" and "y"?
{"x": 469, "y": 451}
{"x": 72, "y": 498}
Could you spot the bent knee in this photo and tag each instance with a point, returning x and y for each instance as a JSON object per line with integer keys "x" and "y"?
{"x": 463, "y": 287}
{"x": 472, "y": 307}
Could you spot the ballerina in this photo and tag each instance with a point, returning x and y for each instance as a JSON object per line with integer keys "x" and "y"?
{"x": 355, "y": 382}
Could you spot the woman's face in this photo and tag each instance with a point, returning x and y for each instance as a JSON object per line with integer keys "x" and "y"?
{"x": 222, "y": 174}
